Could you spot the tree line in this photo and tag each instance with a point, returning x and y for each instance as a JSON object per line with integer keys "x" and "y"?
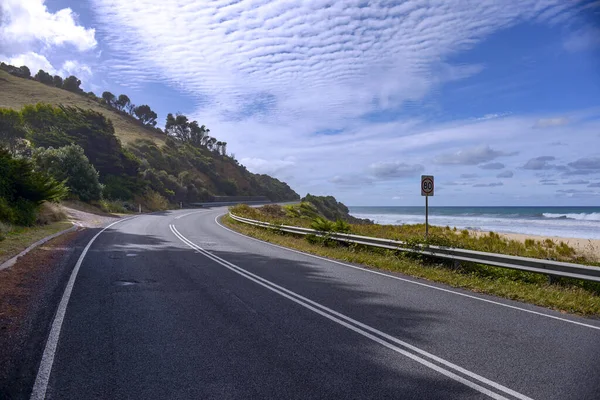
{"x": 70, "y": 83}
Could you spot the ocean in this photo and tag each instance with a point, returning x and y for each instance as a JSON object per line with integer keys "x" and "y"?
{"x": 567, "y": 222}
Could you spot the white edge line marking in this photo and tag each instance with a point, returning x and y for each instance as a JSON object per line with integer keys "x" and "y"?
{"x": 408, "y": 280}
{"x": 326, "y": 312}
{"x": 41, "y": 381}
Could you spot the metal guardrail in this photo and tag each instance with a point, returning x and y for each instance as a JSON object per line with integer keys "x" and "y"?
{"x": 547, "y": 267}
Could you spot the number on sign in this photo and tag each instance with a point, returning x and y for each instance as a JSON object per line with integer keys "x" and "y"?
{"x": 427, "y": 185}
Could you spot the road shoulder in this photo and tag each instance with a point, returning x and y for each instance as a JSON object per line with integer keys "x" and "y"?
{"x": 30, "y": 291}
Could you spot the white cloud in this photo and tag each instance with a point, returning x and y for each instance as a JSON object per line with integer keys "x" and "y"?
{"x": 351, "y": 180}
{"x": 539, "y": 163}
{"x": 546, "y": 122}
{"x": 505, "y": 174}
{"x": 72, "y": 67}
{"x": 494, "y": 165}
{"x": 395, "y": 169}
{"x": 33, "y": 61}
{"x": 492, "y": 184}
{"x": 27, "y": 23}
{"x": 589, "y": 163}
{"x": 472, "y": 156}
{"x": 269, "y": 167}
{"x": 585, "y": 38}
{"x": 323, "y": 60}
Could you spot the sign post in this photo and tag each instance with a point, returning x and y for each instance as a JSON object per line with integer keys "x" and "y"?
{"x": 427, "y": 190}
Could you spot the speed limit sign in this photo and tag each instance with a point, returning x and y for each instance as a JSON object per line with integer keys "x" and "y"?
{"x": 427, "y": 185}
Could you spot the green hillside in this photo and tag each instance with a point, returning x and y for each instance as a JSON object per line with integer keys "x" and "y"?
{"x": 185, "y": 166}
{"x": 17, "y": 92}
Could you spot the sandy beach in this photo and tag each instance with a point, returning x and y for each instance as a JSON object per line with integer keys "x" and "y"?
{"x": 588, "y": 247}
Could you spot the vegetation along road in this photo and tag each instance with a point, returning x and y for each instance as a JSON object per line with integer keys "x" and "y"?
{"x": 175, "y": 305}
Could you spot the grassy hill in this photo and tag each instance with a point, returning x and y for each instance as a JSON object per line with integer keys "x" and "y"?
{"x": 17, "y": 92}
{"x": 178, "y": 171}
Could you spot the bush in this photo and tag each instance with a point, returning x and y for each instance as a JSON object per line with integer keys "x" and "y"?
{"x": 49, "y": 213}
{"x": 50, "y": 126}
{"x": 11, "y": 129}
{"x": 272, "y": 210}
{"x": 117, "y": 188}
{"x": 313, "y": 239}
{"x": 70, "y": 164}
{"x": 341, "y": 226}
{"x": 322, "y": 225}
{"x": 244, "y": 210}
{"x": 155, "y": 202}
{"x": 23, "y": 190}
{"x": 4, "y": 230}
{"x": 112, "y": 206}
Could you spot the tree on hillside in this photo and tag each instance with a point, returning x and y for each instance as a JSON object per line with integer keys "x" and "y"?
{"x": 223, "y": 148}
{"x": 210, "y": 144}
{"x": 57, "y": 81}
{"x": 70, "y": 165}
{"x": 181, "y": 128}
{"x": 24, "y": 72}
{"x": 145, "y": 114}
{"x": 122, "y": 102}
{"x": 12, "y": 130}
{"x": 109, "y": 98}
{"x": 72, "y": 84}
{"x": 44, "y": 77}
{"x": 197, "y": 133}
{"x": 178, "y": 127}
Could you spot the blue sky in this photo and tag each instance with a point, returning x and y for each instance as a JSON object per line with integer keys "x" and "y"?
{"x": 500, "y": 100}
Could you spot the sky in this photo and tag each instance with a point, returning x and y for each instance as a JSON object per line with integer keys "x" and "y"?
{"x": 499, "y": 100}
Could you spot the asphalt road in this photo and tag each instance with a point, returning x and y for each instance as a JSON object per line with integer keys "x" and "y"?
{"x": 175, "y": 306}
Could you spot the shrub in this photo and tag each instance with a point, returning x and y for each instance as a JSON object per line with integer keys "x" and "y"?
{"x": 112, "y": 206}
{"x": 70, "y": 164}
{"x": 4, "y": 230}
{"x": 244, "y": 210}
{"x": 51, "y": 126}
{"x": 49, "y": 213}
{"x": 11, "y": 129}
{"x": 341, "y": 226}
{"x": 155, "y": 202}
{"x": 117, "y": 188}
{"x": 272, "y": 210}
{"x": 322, "y": 225}
{"x": 313, "y": 239}
{"x": 23, "y": 190}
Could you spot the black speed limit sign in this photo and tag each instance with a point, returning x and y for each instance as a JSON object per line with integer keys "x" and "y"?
{"x": 427, "y": 185}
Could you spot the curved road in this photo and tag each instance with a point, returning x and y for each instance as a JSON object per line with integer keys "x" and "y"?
{"x": 174, "y": 306}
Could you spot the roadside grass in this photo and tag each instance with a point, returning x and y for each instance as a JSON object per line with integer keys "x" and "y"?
{"x": 565, "y": 295}
{"x": 17, "y": 239}
{"x": 18, "y": 92}
{"x": 439, "y": 236}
